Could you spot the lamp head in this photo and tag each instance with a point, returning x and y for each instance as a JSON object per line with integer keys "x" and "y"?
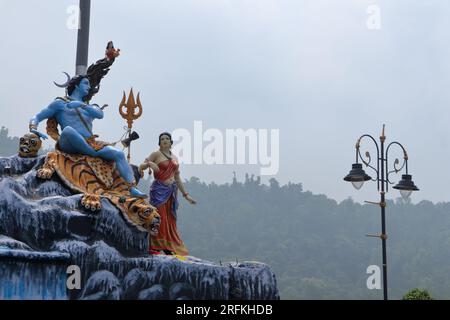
{"x": 357, "y": 176}
{"x": 406, "y": 186}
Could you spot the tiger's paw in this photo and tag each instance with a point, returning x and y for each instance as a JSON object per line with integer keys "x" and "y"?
{"x": 45, "y": 172}
{"x": 91, "y": 202}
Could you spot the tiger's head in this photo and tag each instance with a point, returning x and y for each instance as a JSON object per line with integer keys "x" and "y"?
{"x": 146, "y": 215}
{"x": 154, "y": 223}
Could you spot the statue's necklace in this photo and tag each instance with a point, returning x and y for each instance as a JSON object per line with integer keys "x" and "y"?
{"x": 165, "y": 155}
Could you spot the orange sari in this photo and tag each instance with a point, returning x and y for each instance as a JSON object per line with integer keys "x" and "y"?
{"x": 168, "y": 237}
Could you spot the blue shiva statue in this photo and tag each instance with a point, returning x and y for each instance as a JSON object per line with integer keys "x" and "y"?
{"x": 75, "y": 115}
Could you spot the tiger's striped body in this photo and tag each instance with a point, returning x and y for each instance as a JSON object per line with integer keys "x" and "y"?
{"x": 96, "y": 179}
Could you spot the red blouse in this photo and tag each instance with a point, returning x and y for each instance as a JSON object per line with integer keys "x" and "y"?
{"x": 167, "y": 169}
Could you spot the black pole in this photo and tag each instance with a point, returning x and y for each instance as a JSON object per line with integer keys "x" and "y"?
{"x": 383, "y": 242}
{"x": 383, "y": 216}
{"x": 83, "y": 37}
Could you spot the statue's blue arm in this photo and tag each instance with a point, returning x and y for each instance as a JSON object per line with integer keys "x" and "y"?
{"x": 94, "y": 111}
{"x": 46, "y": 113}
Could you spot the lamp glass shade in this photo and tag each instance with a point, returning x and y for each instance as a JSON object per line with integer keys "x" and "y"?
{"x": 357, "y": 184}
{"x": 405, "y": 194}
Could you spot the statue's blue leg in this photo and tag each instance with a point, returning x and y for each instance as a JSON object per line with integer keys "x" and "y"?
{"x": 111, "y": 153}
{"x": 71, "y": 141}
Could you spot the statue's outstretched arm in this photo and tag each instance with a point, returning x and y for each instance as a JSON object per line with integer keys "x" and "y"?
{"x": 46, "y": 113}
{"x": 183, "y": 189}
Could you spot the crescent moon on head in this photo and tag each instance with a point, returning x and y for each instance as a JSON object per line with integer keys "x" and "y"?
{"x": 64, "y": 85}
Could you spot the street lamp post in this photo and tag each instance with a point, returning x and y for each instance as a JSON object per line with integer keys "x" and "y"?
{"x": 357, "y": 177}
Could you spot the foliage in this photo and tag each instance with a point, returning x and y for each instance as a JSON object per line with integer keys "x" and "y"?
{"x": 317, "y": 246}
{"x": 8, "y": 145}
{"x": 417, "y": 294}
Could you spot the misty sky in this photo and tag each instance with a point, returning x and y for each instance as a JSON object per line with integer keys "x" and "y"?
{"x": 309, "y": 68}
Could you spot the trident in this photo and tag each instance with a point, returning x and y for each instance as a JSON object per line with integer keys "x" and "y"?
{"x": 128, "y": 111}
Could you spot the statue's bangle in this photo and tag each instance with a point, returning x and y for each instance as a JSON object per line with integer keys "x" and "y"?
{"x": 33, "y": 123}
{"x": 185, "y": 194}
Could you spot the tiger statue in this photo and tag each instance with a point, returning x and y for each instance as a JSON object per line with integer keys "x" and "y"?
{"x": 96, "y": 178}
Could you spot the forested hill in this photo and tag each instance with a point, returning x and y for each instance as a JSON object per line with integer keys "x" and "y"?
{"x": 316, "y": 246}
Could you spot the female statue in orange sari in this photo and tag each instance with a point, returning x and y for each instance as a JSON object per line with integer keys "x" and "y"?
{"x": 164, "y": 196}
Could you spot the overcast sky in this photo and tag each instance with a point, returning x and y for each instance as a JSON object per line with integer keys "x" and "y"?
{"x": 312, "y": 69}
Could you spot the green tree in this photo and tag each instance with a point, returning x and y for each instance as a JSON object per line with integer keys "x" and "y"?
{"x": 417, "y": 294}
{"x": 8, "y": 145}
